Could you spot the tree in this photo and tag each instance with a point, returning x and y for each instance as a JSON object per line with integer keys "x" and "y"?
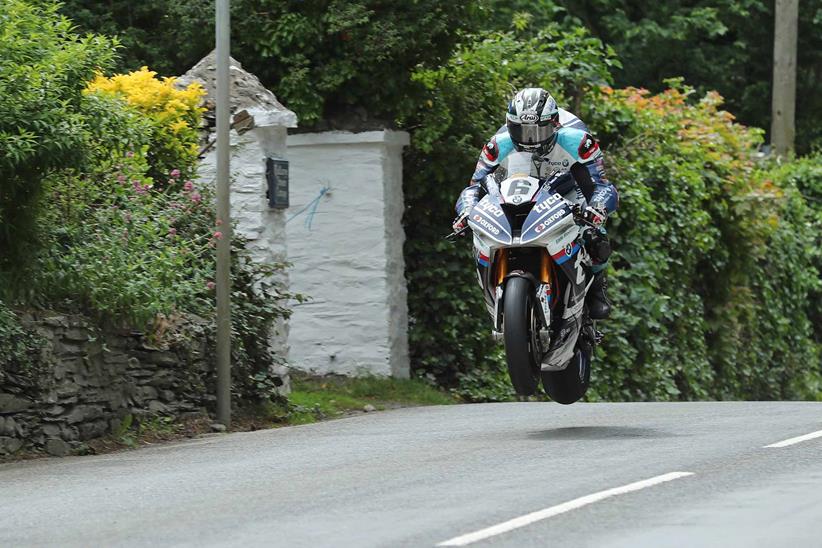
{"x": 722, "y": 45}
{"x": 44, "y": 67}
{"x": 326, "y": 59}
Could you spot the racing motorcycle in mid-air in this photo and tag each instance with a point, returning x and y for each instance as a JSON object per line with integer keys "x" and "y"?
{"x": 533, "y": 263}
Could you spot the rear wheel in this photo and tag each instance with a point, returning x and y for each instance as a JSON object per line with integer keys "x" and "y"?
{"x": 521, "y": 332}
{"x": 570, "y": 384}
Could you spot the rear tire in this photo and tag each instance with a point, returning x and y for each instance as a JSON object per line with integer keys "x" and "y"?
{"x": 521, "y": 341}
{"x": 570, "y": 384}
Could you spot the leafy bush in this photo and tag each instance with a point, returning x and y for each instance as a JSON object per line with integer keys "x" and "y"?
{"x": 118, "y": 248}
{"x": 704, "y": 307}
{"x": 174, "y": 117}
{"x": 44, "y": 122}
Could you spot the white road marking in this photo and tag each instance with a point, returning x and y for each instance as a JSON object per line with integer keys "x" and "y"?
{"x": 798, "y": 439}
{"x": 540, "y": 515}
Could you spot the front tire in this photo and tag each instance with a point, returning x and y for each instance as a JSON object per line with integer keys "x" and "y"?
{"x": 521, "y": 333}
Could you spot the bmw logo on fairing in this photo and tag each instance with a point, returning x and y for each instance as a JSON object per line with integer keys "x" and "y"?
{"x": 516, "y": 199}
{"x": 569, "y": 249}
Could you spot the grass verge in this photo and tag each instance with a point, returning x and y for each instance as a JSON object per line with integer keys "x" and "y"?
{"x": 318, "y": 398}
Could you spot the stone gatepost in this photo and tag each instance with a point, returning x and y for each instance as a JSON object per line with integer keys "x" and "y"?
{"x": 254, "y": 139}
{"x": 345, "y": 242}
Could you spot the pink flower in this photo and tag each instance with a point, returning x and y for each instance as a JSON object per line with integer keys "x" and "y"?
{"x": 210, "y": 285}
{"x": 175, "y": 173}
{"x": 172, "y": 231}
{"x": 196, "y": 198}
{"x": 188, "y": 186}
{"x": 218, "y": 235}
{"x": 219, "y": 222}
{"x": 121, "y": 178}
{"x": 129, "y": 154}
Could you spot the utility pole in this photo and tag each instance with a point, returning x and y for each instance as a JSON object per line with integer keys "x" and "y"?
{"x": 223, "y": 281}
{"x": 783, "y": 105}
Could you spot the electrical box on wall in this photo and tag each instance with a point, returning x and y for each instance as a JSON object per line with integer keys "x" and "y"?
{"x": 276, "y": 173}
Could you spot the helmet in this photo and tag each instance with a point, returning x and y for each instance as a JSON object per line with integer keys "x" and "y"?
{"x": 532, "y": 118}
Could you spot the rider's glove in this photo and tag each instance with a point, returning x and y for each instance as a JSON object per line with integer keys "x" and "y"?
{"x": 596, "y": 215}
{"x": 460, "y": 223}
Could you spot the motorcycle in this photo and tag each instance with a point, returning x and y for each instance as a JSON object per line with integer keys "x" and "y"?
{"x": 534, "y": 271}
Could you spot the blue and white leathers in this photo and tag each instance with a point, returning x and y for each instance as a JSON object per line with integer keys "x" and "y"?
{"x": 571, "y": 149}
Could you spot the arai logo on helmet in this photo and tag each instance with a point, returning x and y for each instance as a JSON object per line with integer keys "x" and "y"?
{"x": 529, "y": 117}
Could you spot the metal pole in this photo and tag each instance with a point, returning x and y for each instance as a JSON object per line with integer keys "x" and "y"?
{"x": 783, "y": 105}
{"x": 223, "y": 218}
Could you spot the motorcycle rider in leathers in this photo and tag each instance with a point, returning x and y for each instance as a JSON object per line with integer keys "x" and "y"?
{"x": 534, "y": 123}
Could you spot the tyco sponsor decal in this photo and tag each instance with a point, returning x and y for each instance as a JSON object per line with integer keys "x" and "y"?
{"x": 546, "y": 204}
{"x": 491, "y": 209}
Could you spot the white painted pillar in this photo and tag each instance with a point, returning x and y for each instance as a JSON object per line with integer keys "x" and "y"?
{"x": 346, "y": 248}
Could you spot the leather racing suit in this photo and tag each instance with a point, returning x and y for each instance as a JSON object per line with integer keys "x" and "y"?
{"x": 572, "y": 149}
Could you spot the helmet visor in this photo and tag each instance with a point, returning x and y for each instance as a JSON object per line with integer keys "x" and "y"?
{"x": 530, "y": 134}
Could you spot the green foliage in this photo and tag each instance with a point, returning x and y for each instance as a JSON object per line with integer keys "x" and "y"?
{"x": 258, "y": 307}
{"x": 704, "y": 306}
{"x": 166, "y": 35}
{"x": 323, "y": 58}
{"x": 19, "y": 352}
{"x": 119, "y": 250}
{"x": 722, "y": 45}
{"x": 45, "y": 124}
{"x": 464, "y": 106}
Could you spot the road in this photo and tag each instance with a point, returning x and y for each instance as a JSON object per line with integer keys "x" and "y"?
{"x": 566, "y": 476}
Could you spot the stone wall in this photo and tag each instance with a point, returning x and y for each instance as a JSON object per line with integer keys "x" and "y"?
{"x": 94, "y": 380}
{"x": 346, "y": 250}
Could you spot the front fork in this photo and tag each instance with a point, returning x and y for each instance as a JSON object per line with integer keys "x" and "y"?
{"x": 544, "y": 291}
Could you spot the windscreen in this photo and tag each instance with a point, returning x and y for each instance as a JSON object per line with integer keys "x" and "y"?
{"x": 520, "y": 163}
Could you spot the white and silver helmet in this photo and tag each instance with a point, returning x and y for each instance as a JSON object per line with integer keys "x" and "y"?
{"x": 532, "y": 118}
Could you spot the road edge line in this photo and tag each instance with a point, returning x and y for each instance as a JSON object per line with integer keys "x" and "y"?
{"x": 551, "y": 511}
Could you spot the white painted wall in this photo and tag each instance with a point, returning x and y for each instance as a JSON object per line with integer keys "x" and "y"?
{"x": 264, "y": 228}
{"x": 349, "y": 261}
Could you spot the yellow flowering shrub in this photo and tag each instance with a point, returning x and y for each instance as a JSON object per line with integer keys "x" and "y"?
{"x": 174, "y": 114}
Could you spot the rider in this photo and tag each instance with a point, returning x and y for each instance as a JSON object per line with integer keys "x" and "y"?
{"x": 535, "y": 123}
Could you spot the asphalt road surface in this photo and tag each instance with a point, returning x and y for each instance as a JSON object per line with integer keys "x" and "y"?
{"x": 520, "y": 474}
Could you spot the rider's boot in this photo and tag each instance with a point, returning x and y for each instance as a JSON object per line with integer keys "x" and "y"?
{"x": 599, "y": 307}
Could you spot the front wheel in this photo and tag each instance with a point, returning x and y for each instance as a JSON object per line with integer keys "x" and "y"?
{"x": 521, "y": 332}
